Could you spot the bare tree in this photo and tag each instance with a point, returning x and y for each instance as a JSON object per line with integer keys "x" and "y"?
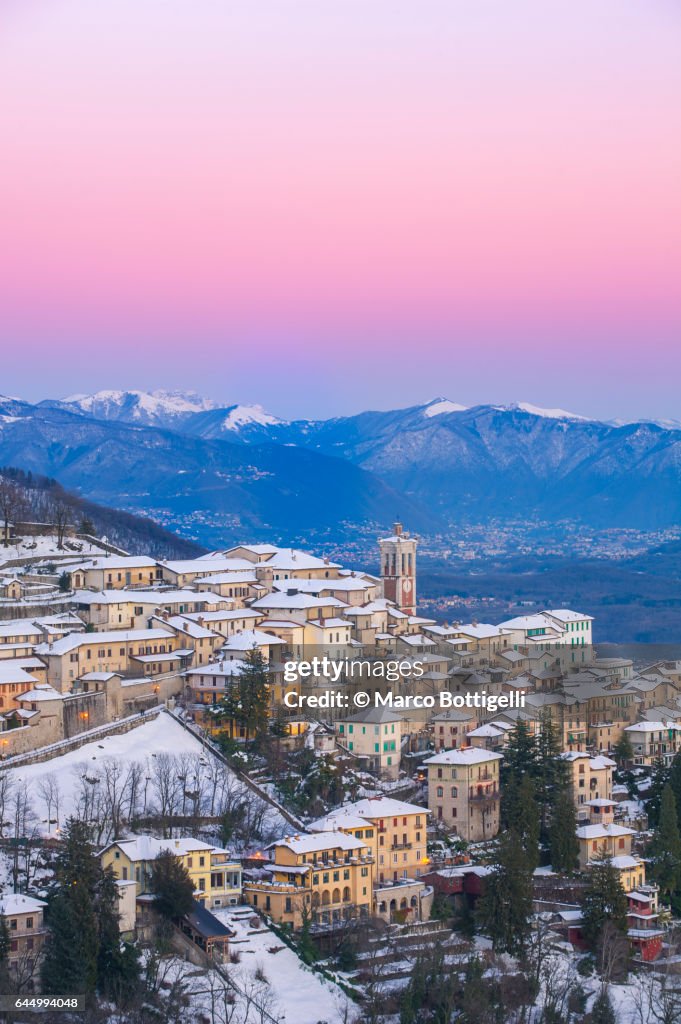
{"x": 24, "y": 825}
{"x": 165, "y": 783}
{"x": 133, "y": 788}
{"x": 60, "y": 514}
{"x": 13, "y": 506}
{"x": 113, "y": 793}
{"x": 6, "y": 787}
{"x": 50, "y": 792}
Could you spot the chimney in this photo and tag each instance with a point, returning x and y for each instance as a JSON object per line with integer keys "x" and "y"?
{"x": 397, "y": 529}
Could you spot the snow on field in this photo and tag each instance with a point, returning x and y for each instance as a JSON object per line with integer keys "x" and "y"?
{"x": 299, "y": 995}
{"x": 161, "y": 735}
{"x": 47, "y": 546}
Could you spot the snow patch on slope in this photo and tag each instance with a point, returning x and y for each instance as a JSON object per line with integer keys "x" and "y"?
{"x": 246, "y": 415}
{"x": 547, "y": 414}
{"x": 441, "y": 406}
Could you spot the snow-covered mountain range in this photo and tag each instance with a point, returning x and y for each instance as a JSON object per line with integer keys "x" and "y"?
{"x": 437, "y": 463}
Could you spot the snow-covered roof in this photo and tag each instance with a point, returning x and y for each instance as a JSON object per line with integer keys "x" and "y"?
{"x": 316, "y": 842}
{"x": 297, "y": 601}
{"x": 486, "y": 730}
{"x": 464, "y": 756}
{"x": 115, "y": 562}
{"x": 603, "y": 831}
{"x": 624, "y": 861}
{"x": 154, "y": 598}
{"x": 373, "y": 715}
{"x": 10, "y": 672}
{"x": 207, "y": 566}
{"x": 567, "y": 615}
{"x": 219, "y": 668}
{"x": 228, "y": 577}
{"x": 41, "y": 691}
{"x": 226, "y": 615}
{"x": 345, "y": 583}
{"x": 481, "y": 630}
{"x": 247, "y": 639}
{"x": 15, "y": 903}
{"x": 145, "y": 848}
{"x": 652, "y": 726}
{"x": 119, "y": 636}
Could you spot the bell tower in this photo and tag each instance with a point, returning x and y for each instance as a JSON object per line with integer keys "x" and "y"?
{"x": 398, "y": 569}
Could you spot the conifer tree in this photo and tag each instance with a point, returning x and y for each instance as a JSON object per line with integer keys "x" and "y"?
{"x": 675, "y": 782}
{"x": 665, "y": 848}
{"x": 505, "y": 909}
{"x": 604, "y": 902}
{"x": 247, "y": 703}
{"x": 83, "y": 951}
{"x": 602, "y": 1011}
{"x": 520, "y": 812}
{"x": 172, "y": 886}
{"x": 623, "y": 752}
{"x": 563, "y": 842}
{"x": 658, "y": 780}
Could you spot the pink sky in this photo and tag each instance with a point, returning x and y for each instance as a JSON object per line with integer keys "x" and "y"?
{"x": 328, "y": 206}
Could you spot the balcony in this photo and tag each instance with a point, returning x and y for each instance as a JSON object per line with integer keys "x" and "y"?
{"x": 401, "y": 846}
{"x": 487, "y": 797}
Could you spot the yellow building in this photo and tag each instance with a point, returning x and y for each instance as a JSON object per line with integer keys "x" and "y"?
{"x": 395, "y": 829}
{"x": 463, "y": 791}
{"x": 133, "y": 651}
{"x": 324, "y": 877}
{"x": 215, "y": 874}
{"x": 113, "y": 572}
{"x": 597, "y": 841}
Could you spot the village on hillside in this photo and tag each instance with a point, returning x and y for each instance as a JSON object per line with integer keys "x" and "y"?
{"x": 180, "y": 842}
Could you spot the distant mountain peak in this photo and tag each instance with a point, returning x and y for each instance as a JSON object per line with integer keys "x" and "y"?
{"x": 547, "y": 414}
{"x": 162, "y": 408}
{"x": 442, "y": 406}
{"x": 239, "y": 416}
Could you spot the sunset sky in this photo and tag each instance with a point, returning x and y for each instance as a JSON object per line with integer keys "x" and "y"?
{"x": 329, "y": 205}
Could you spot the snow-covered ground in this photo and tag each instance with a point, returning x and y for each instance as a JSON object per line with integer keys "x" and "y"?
{"x": 298, "y": 994}
{"x": 40, "y": 548}
{"x": 161, "y": 735}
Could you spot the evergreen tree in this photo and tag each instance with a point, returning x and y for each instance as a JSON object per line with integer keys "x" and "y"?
{"x": 658, "y": 780}
{"x": 247, "y": 703}
{"x": 172, "y": 886}
{"x": 623, "y": 752}
{"x": 602, "y": 1011}
{"x": 83, "y": 952}
{"x": 604, "y": 902}
{"x": 520, "y": 812}
{"x": 665, "y": 848}
{"x": 521, "y": 756}
{"x": 505, "y": 909}
{"x": 675, "y": 782}
{"x": 563, "y": 842}
{"x": 552, "y": 771}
